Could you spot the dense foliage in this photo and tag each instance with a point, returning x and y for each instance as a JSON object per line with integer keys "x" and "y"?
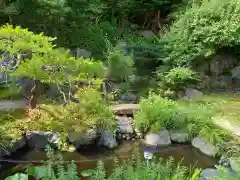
{"x": 203, "y": 30}
{"x": 183, "y": 34}
{"x": 34, "y": 56}
{"x": 157, "y": 112}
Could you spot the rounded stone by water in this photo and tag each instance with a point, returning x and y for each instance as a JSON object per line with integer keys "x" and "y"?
{"x": 108, "y": 140}
{"x": 124, "y": 124}
{"x": 179, "y": 137}
{"x": 158, "y": 139}
{"x": 39, "y": 140}
{"x": 204, "y": 146}
{"x": 209, "y": 174}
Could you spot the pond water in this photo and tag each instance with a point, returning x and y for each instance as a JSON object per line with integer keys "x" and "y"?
{"x": 87, "y": 158}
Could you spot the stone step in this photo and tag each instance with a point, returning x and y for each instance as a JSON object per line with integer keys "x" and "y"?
{"x": 125, "y": 109}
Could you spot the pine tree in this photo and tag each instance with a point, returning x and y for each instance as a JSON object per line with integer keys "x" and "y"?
{"x": 36, "y": 57}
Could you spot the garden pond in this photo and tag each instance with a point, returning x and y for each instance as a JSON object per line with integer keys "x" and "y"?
{"x": 87, "y": 158}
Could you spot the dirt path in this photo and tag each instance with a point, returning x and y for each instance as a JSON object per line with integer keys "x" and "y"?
{"x": 227, "y": 125}
{"x": 8, "y": 104}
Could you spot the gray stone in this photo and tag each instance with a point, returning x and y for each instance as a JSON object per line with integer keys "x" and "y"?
{"x": 192, "y": 93}
{"x": 146, "y": 33}
{"x": 209, "y": 174}
{"x": 12, "y": 147}
{"x": 128, "y": 137}
{"x": 81, "y": 139}
{"x": 158, "y": 139}
{"x": 139, "y": 135}
{"x": 39, "y": 140}
{"x": 108, "y": 139}
{"x": 204, "y": 146}
{"x": 78, "y": 52}
{"x": 226, "y": 79}
{"x": 180, "y": 137}
{"x": 124, "y": 124}
{"x": 236, "y": 72}
{"x": 221, "y": 62}
{"x": 129, "y": 97}
{"x": 225, "y": 162}
{"x": 125, "y": 109}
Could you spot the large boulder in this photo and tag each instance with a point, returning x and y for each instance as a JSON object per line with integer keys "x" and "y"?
{"x": 192, "y": 93}
{"x": 146, "y": 33}
{"x": 108, "y": 139}
{"x": 124, "y": 124}
{"x": 179, "y": 137}
{"x": 209, "y": 174}
{"x": 128, "y": 97}
{"x": 39, "y": 140}
{"x": 82, "y": 139}
{"x": 220, "y": 63}
{"x": 204, "y": 146}
{"x": 13, "y": 147}
{"x": 78, "y": 52}
{"x": 158, "y": 139}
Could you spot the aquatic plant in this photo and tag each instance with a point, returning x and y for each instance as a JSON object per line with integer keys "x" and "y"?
{"x": 132, "y": 169}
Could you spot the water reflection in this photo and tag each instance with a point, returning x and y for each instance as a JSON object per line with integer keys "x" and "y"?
{"x": 87, "y": 158}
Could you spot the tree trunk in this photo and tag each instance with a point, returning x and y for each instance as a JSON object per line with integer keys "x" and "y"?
{"x": 34, "y": 94}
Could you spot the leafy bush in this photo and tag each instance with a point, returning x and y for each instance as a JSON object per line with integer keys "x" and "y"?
{"x": 92, "y": 110}
{"x": 157, "y": 112}
{"x": 178, "y": 78}
{"x": 120, "y": 67}
{"x": 34, "y": 56}
{"x": 202, "y": 30}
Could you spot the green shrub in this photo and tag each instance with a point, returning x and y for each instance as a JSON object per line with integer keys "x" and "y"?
{"x": 202, "y": 30}
{"x": 157, "y": 112}
{"x": 120, "y": 67}
{"x": 178, "y": 78}
{"x": 91, "y": 112}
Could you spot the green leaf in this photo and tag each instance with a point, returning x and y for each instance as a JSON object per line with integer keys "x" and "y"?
{"x": 87, "y": 173}
{"x": 18, "y": 176}
{"x": 235, "y": 164}
{"x": 40, "y": 172}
